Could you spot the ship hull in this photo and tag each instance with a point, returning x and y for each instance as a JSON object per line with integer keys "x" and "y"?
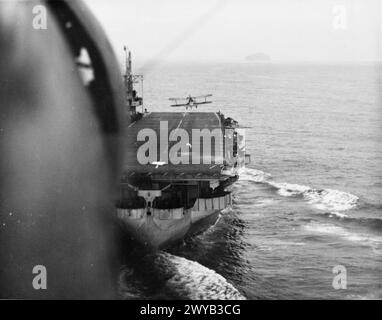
{"x": 155, "y": 233}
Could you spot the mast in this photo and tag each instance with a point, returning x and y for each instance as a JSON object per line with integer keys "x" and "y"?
{"x": 132, "y": 99}
{"x": 128, "y": 76}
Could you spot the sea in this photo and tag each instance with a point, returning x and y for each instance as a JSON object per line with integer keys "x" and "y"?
{"x": 308, "y": 205}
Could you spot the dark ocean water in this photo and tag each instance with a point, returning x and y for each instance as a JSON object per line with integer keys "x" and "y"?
{"x": 310, "y": 200}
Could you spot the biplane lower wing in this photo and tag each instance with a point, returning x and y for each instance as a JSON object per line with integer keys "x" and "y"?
{"x": 189, "y": 105}
{"x": 179, "y": 105}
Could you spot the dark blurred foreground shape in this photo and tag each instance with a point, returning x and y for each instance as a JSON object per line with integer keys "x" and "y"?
{"x": 59, "y": 143}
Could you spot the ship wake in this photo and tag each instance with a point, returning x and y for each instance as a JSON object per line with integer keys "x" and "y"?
{"x": 194, "y": 281}
{"x": 329, "y": 200}
{"x": 163, "y": 275}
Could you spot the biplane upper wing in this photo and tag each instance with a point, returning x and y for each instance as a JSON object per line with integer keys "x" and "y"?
{"x": 202, "y": 97}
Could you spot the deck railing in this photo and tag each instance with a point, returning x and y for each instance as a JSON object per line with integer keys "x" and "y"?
{"x": 217, "y": 203}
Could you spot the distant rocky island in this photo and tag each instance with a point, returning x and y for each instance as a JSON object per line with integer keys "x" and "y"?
{"x": 258, "y": 57}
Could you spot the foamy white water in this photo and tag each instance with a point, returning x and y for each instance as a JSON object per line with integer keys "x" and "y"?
{"x": 195, "y": 281}
{"x": 289, "y": 189}
{"x": 331, "y": 200}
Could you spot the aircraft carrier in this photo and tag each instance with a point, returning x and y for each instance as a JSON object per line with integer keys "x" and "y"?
{"x": 177, "y": 168}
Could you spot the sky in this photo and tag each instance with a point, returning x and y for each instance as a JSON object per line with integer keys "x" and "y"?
{"x": 230, "y": 30}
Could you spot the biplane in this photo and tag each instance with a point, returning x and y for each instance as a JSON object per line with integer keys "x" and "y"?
{"x": 191, "y": 102}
